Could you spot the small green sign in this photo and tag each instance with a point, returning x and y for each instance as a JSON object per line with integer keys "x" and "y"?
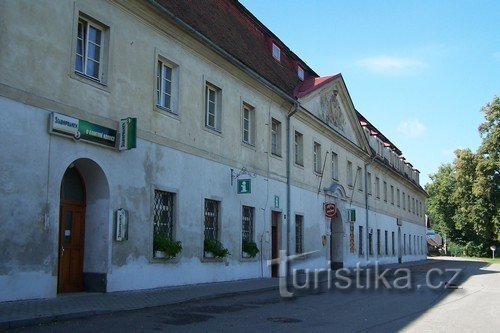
{"x": 351, "y": 215}
{"x": 276, "y": 201}
{"x": 244, "y": 186}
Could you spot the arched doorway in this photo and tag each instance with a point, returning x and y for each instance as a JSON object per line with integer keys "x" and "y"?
{"x": 71, "y": 231}
{"x": 85, "y": 227}
{"x": 336, "y": 242}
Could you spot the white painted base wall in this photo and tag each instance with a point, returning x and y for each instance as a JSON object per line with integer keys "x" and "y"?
{"x": 32, "y": 166}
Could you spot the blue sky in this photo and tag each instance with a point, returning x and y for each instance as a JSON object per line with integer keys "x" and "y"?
{"x": 419, "y": 70}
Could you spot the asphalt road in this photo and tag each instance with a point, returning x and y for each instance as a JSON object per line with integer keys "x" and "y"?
{"x": 471, "y": 303}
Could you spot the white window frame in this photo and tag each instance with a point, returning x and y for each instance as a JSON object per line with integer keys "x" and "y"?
{"x": 83, "y": 42}
{"x": 275, "y": 137}
{"x": 349, "y": 173}
{"x": 359, "y": 175}
{"x": 369, "y": 182}
{"x": 317, "y": 157}
{"x": 276, "y": 52}
{"x": 299, "y": 148}
{"x": 300, "y": 73}
{"x": 216, "y": 102}
{"x": 247, "y": 234}
{"x": 248, "y": 124}
{"x": 161, "y": 86}
{"x": 335, "y": 166}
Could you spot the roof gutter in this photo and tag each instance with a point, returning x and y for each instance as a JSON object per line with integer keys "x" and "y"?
{"x": 224, "y": 53}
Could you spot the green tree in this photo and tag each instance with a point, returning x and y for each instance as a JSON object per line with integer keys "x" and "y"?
{"x": 464, "y": 197}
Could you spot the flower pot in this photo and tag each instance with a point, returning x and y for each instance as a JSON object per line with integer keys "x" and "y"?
{"x": 160, "y": 254}
{"x": 208, "y": 254}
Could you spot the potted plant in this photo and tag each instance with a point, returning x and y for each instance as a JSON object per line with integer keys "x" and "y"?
{"x": 249, "y": 249}
{"x": 164, "y": 247}
{"x": 214, "y": 249}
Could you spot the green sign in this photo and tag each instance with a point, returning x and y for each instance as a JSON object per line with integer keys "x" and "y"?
{"x": 128, "y": 134}
{"x": 244, "y": 186}
{"x": 82, "y": 130}
{"x": 276, "y": 201}
{"x": 351, "y": 215}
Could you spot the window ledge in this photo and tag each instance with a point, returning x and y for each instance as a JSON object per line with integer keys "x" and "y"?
{"x": 248, "y": 145}
{"x": 211, "y": 260}
{"x": 90, "y": 81}
{"x": 174, "y": 260}
{"x": 166, "y": 112}
{"x": 301, "y": 166}
{"x": 279, "y": 157}
{"x": 213, "y": 131}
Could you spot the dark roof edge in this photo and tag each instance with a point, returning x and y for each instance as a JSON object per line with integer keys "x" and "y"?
{"x": 270, "y": 33}
{"x": 223, "y": 52}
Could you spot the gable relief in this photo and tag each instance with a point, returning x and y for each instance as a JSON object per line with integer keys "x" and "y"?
{"x": 330, "y": 110}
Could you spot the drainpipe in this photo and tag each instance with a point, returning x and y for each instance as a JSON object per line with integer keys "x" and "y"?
{"x": 366, "y": 208}
{"x": 294, "y": 109}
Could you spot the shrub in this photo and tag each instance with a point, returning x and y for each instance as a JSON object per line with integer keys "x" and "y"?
{"x": 215, "y": 247}
{"x": 251, "y": 248}
{"x": 165, "y": 244}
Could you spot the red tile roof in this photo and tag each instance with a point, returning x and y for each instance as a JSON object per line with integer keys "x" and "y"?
{"x": 233, "y": 28}
{"x": 313, "y": 83}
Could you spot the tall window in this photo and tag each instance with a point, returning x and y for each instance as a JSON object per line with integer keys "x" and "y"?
{"x": 370, "y": 243}
{"x": 413, "y": 205}
{"x": 360, "y": 240}
{"x": 166, "y": 86}
{"x": 392, "y": 195}
{"x": 163, "y": 214}
{"x": 359, "y": 177}
{"x": 398, "y": 197}
{"x": 404, "y": 244}
{"x": 247, "y": 224}
{"x": 386, "y": 242}
{"x": 299, "y": 234}
{"x": 393, "y": 244}
{"x": 335, "y": 166}
{"x": 409, "y": 204}
{"x": 248, "y": 125}
{"x": 89, "y": 49}
{"x": 212, "y": 209}
{"x": 369, "y": 182}
{"x": 377, "y": 187}
{"x": 299, "y": 148}
{"x": 385, "y": 191}
{"x": 404, "y": 201}
{"x": 378, "y": 242}
{"x": 317, "y": 157}
{"x": 409, "y": 245}
{"x": 212, "y": 107}
{"x": 349, "y": 173}
{"x": 275, "y": 137}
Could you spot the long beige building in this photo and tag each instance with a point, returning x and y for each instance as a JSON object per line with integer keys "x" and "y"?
{"x": 127, "y": 121}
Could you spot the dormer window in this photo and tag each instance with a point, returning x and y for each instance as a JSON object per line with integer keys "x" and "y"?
{"x": 276, "y": 52}
{"x": 300, "y": 73}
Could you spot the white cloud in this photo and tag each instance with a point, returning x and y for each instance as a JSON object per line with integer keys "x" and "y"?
{"x": 396, "y": 66}
{"x": 412, "y": 128}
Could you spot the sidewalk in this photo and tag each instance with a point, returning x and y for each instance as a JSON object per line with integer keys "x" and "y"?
{"x": 71, "y": 306}
{"x": 33, "y": 312}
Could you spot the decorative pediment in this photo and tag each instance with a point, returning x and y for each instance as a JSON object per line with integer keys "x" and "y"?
{"x": 331, "y": 112}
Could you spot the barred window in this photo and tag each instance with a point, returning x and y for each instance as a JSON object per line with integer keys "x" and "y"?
{"x": 378, "y": 242}
{"x": 360, "y": 241}
{"x": 163, "y": 213}
{"x": 299, "y": 234}
{"x": 211, "y": 219}
{"x": 386, "y": 243}
{"x": 247, "y": 224}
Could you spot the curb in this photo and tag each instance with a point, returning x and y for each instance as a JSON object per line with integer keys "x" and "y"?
{"x": 17, "y": 323}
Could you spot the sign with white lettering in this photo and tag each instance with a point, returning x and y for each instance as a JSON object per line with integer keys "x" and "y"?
{"x": 121, "y": 225}
{"x": 82, "y": 130}
{"x": 128, "y": 133}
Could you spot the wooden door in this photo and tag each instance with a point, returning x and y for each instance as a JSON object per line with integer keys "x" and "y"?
{"x": 71, "y": 241}
{"x": 274, "y": 242}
